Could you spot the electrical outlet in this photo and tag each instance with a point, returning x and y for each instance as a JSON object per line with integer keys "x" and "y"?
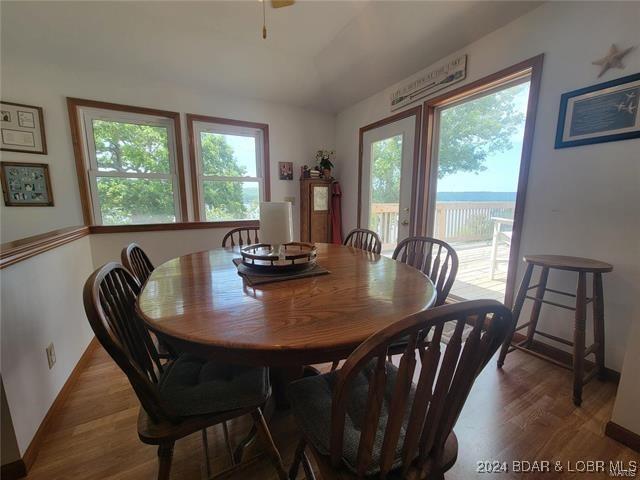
{"x": 51, "y": 356}
{"x": 292, "y": 200}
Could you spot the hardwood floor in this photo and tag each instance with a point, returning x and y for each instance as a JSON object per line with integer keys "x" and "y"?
{"x": 524, "y": 412}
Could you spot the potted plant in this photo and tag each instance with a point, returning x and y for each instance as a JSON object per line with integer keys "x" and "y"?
{"x": 324, "y": 157}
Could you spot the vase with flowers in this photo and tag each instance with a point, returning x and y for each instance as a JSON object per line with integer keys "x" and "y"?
{"x": 323, "y": 158}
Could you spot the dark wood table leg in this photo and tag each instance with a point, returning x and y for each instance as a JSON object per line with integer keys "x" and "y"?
{"x": 280, "y": 378}
{"x": 578, "y": 338}
{"x": 598, "y": 324}
{"x": 537, "y": 305}
{"x": 517, "y": 308}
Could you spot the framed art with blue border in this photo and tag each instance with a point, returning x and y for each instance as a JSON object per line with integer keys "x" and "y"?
{"x": 606, "y": 112}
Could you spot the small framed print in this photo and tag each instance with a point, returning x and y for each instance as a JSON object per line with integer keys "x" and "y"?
{"x": 606, "y": 112}
{"x": 22, "y": 128}
{"x": 320, "y": 198}
{"x": 285, "y": 170}
{"x": 26, "y": 184}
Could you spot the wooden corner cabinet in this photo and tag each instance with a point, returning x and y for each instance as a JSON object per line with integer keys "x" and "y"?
{"x": 315, "y": 210}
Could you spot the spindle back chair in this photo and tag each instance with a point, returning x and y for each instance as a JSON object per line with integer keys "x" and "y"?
{"x": 435, "y": 258}
{"x": 109, "y": 297}
{"x": 241, "y": 236}
{"x": 364, "y": 239}
{"x": 135, "y": 260}
{"x": 417, "y": 440}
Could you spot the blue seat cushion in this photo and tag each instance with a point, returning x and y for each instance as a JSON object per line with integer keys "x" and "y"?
{"x": 192, "y": 386}
{"x": 310, "y": 400}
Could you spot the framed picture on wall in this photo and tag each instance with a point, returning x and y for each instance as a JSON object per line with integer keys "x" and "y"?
{"x": 26, "y": 184}
{"x": 606, "y": 112}
{"x": 22, "y": 128}
{"x": 285, "y": 170}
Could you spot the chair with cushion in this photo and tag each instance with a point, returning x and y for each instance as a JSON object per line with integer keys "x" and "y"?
{"x": 369, "y": 419}
{"x": 182, "y": 396}
{"x": 364, "y": 240}
{"x": 241, "y": 236}
{"x": 137, "y": 262}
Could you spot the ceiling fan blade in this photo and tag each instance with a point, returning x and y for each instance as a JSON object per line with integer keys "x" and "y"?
{"x": 281, "y": 3}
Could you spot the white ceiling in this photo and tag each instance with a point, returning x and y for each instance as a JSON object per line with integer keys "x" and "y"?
{"x": 318, "y": 54}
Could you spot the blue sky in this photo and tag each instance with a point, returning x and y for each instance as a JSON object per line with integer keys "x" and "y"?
{"x": 502, "y": 170}
{"x": 244, "y": 150}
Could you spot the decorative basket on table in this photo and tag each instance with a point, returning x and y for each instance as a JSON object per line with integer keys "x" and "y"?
{"x": 291, "y": 257}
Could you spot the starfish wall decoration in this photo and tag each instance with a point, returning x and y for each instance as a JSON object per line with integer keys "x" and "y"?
{"x": 613, "y": 59}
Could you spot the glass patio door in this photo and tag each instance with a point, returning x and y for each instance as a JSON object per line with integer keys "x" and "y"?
{"x": 386, "y": 181}
{"x": 473, "y": 188}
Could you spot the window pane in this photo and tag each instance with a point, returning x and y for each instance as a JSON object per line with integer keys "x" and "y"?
{"x": 384, "y": 211}
{"x": 128, "y": 147}
{"x": 135, "y": 200}
{"x": 228, "y": 155}
{"x": 479, "y": 151}
{"x": 231, "y": 200}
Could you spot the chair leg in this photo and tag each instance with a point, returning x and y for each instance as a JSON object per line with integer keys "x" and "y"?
{"x": 517, "y": 308}
{"x": 537, "y": 305}
{"x": 165, "y": 455}
{"x": 227, "y": 441}
{"x": 578, "y": 338}
{"x": 244, "y": 443}
{"x": 265, "y": 436}
{"x": 297, "y": 458}
{"x": 598, "y": 324}
{"x": 205, "y": 447}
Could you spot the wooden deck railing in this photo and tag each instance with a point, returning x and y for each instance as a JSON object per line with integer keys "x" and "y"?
{"x": 454, "y": 221}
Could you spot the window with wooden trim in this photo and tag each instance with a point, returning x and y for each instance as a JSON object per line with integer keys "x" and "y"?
{"x": 229, "y": 168}
{"x": 129, "y": 164}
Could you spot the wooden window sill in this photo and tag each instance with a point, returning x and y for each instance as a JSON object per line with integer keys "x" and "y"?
{"x": 155, "y": 227}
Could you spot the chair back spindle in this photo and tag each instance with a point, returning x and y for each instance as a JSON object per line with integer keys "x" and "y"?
{"x": 364, "y": 240}
{"x": 109, "y": 300}
{"x": 435, "y": 258}
{"x": 135, "y": 260}
{"x": 421, "y": 415}
{"x": 241, "y": 237}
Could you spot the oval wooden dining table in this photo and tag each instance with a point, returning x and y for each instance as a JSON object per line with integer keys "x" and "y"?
{"x": 200, "y": 304}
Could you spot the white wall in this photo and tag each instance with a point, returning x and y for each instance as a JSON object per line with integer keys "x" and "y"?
{"x": 160, "y": 246}
{"x": 625, "y": 410}
{"x": 42, "y": 303}
{"x": 295, "y": 133}
{"x": 581, "y": 201}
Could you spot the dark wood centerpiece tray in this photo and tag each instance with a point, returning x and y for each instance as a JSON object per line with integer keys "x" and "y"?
{"x": 295, "y": 257}
{"x": 260, "y": 264}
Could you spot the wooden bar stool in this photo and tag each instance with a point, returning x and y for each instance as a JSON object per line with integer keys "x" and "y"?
{"x": 582, "y": 266}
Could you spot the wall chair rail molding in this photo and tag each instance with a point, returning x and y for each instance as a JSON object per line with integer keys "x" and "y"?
{"x": 19, "y": 250}
{"x": 74, "y": 106}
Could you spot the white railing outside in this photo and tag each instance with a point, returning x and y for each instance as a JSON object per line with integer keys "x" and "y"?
{"x": 454, "y": 221}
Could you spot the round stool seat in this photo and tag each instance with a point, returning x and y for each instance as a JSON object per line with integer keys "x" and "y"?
{"x": 574, "y": 264}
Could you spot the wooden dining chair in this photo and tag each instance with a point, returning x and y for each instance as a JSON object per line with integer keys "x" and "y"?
{"x": 370, "y": 419}
{"x": 182, "y": 396}
{"x": 241, "y": 236}
{"x": 435, "y": 258}
{"x": 135, "y": 260}
{"x": 364, "y": 240}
